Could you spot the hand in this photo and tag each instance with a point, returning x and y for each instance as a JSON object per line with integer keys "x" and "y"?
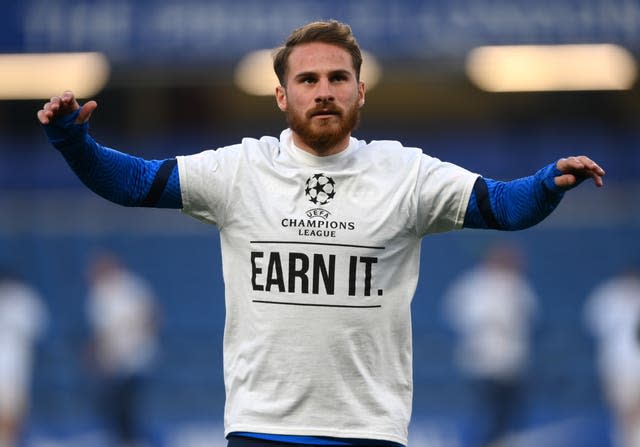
{"x": 59, "y": 106}
{"x": 576, "y": 169}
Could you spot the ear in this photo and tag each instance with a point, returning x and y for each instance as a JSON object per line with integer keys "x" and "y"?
{"x": 281, "y": 98}
{"x": 361, "y": 93}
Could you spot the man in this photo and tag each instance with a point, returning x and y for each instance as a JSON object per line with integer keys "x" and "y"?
{"x": 491, "y": 307}
{"x": 123, "y": 316}
{"x": 321, "y": 239}
{"x": 23, "y": 319}
{"x": 612, "y": 316}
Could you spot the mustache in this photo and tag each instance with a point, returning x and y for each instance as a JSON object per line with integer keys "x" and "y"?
{"x": 324, "y": 109}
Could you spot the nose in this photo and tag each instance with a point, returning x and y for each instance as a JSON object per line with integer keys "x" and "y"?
{"x": 323, "y": 92}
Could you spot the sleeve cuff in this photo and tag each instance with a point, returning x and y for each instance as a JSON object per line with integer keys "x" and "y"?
{"x": 64, "y": 132}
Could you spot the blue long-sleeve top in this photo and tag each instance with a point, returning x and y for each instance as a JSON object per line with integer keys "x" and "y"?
{"x": 134, "y": 181}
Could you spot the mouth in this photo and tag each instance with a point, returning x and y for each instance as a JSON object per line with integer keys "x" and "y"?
{"x": 324, "y": 113}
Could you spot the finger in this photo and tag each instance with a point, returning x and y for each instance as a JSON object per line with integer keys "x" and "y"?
{"x": 57, "y": 106}
{"x": 591, "y": 169}
{"x": 56, "y": 103}
{"x": 597, "y": 178}
{"x": 598, "y": 181}
{"x": 592, "y": 166}
{"x": 571, "y": 179}
{"x": 578, "y": 163}
{"x": 586, "y": 173}
{"x": 54, "y": 108}
{"x": 52, "y": 105}
{"x": 569, "y": 164}
{"x": 85, "y": 112}
{"x": 63, "y": 104}
{"x": 68, "y": 100}
{"x": 46, "y": 113}
{"x": 68, "y": 96}
{"x": 42, "y": 116}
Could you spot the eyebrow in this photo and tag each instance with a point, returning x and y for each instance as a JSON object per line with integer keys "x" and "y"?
{"x": 306, "y": 74}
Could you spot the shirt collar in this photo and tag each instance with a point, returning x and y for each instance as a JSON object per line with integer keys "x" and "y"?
{"x": 300, "y": 155}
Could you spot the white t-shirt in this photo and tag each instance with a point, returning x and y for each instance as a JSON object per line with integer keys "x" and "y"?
{"x": 121, "y": 311}
{"x": 23, "y": 318}
{"x": 320, "y": 262}
{"x": 492, "y": 309}
{"x": 612, "y": 314}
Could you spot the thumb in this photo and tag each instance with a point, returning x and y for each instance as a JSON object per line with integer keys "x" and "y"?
{"x": 85, "y": 112}
{"x": 565, "y": 180}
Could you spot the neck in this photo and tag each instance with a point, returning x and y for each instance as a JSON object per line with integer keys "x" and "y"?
{"x": 318, "y": 148}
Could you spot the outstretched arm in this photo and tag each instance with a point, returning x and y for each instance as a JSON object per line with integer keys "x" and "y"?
{"x": 524, "y": 202}
{"x": 118, "y": 177}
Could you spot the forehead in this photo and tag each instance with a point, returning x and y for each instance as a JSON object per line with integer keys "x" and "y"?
{"x": 319, "y": 57}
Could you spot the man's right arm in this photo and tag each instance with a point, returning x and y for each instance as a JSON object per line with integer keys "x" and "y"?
{"x": 118, "y": 177}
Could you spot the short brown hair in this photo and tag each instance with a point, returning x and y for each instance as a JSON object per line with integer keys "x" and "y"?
{"x": 330, "y": 31}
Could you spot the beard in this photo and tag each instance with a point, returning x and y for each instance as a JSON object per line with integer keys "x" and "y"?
{"x": 324, "y": 134}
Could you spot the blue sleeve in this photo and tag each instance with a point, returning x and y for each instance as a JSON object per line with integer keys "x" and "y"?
{"x": 513, "y": 205}
{"x": 118, "y": 177}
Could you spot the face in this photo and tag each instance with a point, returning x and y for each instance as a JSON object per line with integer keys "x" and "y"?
{"x": 321, "y": 98}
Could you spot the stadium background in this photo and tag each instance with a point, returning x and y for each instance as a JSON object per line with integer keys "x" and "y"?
{"x": 171, "y": 92}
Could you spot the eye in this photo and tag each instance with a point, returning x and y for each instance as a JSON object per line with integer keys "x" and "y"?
{"x": 308, "y": 80}
{"x": 338, "y": 78}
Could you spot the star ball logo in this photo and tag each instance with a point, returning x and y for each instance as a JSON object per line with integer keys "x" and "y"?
{"x": 320, "y": 189}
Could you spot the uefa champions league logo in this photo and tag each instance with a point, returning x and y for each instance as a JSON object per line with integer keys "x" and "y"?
{"x": 320, "y": 189}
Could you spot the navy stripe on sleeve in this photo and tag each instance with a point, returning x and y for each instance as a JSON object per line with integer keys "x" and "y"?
{"x": 159, "y": 182}
{"x": 484, "y": 203}
{"x": 513, "y": 205}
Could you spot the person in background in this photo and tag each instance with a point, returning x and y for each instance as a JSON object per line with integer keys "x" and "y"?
{"x": 23, "y": 318}
{"x": 612, "y": 315}
{"x": 123, "y": 316}
{"x": 492, "y": 309}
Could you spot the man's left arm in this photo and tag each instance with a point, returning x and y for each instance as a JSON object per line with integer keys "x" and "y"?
{"x": 524, "y": 202}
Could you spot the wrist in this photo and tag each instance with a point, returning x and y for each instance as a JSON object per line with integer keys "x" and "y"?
{"x": 547, "y": 176}
{"x": 64, "y": 132}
